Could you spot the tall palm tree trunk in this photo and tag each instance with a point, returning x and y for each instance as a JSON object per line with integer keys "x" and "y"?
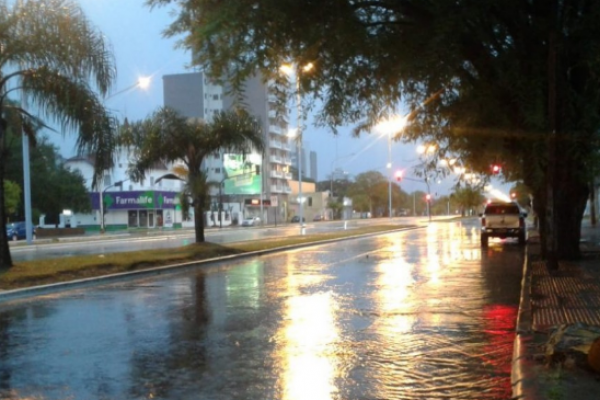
{"x": 5, "y": 257}
{"x": 199, "y": 220}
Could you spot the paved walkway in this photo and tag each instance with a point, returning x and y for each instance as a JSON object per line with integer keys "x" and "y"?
{"x": 559, "y": 317}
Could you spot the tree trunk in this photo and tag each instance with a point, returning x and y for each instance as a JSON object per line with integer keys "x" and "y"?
{"x": 199, "y": 219}
{"x": 569, "y": 206}
{"x": 593, "y": 218}
{"x": 5, "y": 257}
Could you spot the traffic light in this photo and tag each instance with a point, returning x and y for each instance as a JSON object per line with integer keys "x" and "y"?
{"x": 513, "y": 195}
{"x": 428, "y": 197}
{"x": 399, "y": 176}
{"x": 495, "y": 169}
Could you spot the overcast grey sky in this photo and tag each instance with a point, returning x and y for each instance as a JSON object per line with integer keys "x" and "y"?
{"x": 135, "y": 33}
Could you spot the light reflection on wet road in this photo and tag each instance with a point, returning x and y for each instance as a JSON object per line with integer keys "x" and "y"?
{"x": 421, "y": 314}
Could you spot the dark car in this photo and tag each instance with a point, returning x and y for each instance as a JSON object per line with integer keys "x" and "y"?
{"x": 16, "y": 230}
{"x": 296, "y": 218}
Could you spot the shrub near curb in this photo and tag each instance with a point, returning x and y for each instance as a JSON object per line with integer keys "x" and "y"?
{"x": 42, "y": 272}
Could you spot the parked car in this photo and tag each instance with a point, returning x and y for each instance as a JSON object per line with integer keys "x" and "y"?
{"x": 503, "y": 220}
{"x": 296, "y": 218}
{"x": 16, "y": 231}
{"x": 318, "y": 218}
{"x": 250, "y": 221}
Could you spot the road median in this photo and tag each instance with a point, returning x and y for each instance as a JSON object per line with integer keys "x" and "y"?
{"x": 43, "y": 273}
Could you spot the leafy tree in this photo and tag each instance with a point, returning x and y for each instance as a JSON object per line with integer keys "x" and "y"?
{"x": 53, "y": 54}
{"x": 336, "y": 207}
{"x": 467, "y": 198}
{"x": 499, "y": 82}
{"x": 12, "y": 197}
{"x": 53, "y": 187}
{"x": 368, "y": 192}
{"x": 168, "y": 137}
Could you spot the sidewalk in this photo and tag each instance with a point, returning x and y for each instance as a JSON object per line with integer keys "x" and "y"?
{"x": 559, "y": 318}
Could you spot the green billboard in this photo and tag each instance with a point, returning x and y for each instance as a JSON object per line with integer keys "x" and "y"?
{"x": 242, "y": 176}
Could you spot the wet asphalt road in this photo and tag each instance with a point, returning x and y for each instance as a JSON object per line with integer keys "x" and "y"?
{"x": 420, "y": 314}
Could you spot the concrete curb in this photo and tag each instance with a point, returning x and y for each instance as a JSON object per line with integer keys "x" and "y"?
{"x": 17, "y": 294}
{"x": 523, "y": 380}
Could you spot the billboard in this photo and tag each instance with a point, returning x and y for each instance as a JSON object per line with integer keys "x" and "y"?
{"x": 136, "y": 200}
{"x": 242, "y": 175}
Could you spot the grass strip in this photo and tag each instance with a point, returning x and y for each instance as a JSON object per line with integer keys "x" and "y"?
{"x": 42, "y": 272}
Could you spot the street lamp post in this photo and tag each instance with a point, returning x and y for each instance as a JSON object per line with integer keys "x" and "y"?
{"x": 389, "y": 166}
{"x": 102, "y": 211}
{"x": 390, "y": 126}
{"x": 142, "y": 83}
{"x": 288, "y": 70}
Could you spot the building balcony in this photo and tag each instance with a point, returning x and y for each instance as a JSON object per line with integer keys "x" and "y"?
{"x": 277, "y": 130}
{"x": 273, "y": 115}
{"x": 277, "y": 174}
{"x": 276, "y": 159}
{"x": 275, "y": 144}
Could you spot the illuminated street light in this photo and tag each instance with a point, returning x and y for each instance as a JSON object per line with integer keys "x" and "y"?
{"x": 143, "y": 83}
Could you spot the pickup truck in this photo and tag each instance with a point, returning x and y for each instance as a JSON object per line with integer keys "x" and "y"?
{"x": 503, "y": 220}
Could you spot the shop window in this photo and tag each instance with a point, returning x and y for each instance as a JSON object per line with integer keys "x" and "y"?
{"x": 132, "y": 219}
{"x": 143, "y": 214}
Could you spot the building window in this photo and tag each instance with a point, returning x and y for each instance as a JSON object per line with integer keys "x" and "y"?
{"x": 107, "y": 181}
{"x": 216, "y": 156}
{"x": 310, "y": 201}
{"x": 216, "y": 97}
{"x": 218, "y": 170}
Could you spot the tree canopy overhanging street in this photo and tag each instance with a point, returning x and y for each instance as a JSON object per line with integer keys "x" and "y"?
{"x": 495, "y": 83}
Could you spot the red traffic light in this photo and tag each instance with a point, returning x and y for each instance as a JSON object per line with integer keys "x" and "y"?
{"x": 428, "y": 197}
{"x": 495, "y": 169}
{"x": 513, "y": 195}
{"x": 399, "y": 176}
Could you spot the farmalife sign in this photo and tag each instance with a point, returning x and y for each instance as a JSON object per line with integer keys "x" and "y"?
{"x": 136, "y": 200}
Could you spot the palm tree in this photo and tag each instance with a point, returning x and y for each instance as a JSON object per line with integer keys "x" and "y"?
{"x": 56, "y": 62}
{"x": 168, "y": 137}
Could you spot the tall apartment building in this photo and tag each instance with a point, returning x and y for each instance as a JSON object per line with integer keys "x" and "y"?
{"x": 193, "y": 95}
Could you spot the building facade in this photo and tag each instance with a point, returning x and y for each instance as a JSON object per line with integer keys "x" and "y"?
{"x": 119, "y": 203}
